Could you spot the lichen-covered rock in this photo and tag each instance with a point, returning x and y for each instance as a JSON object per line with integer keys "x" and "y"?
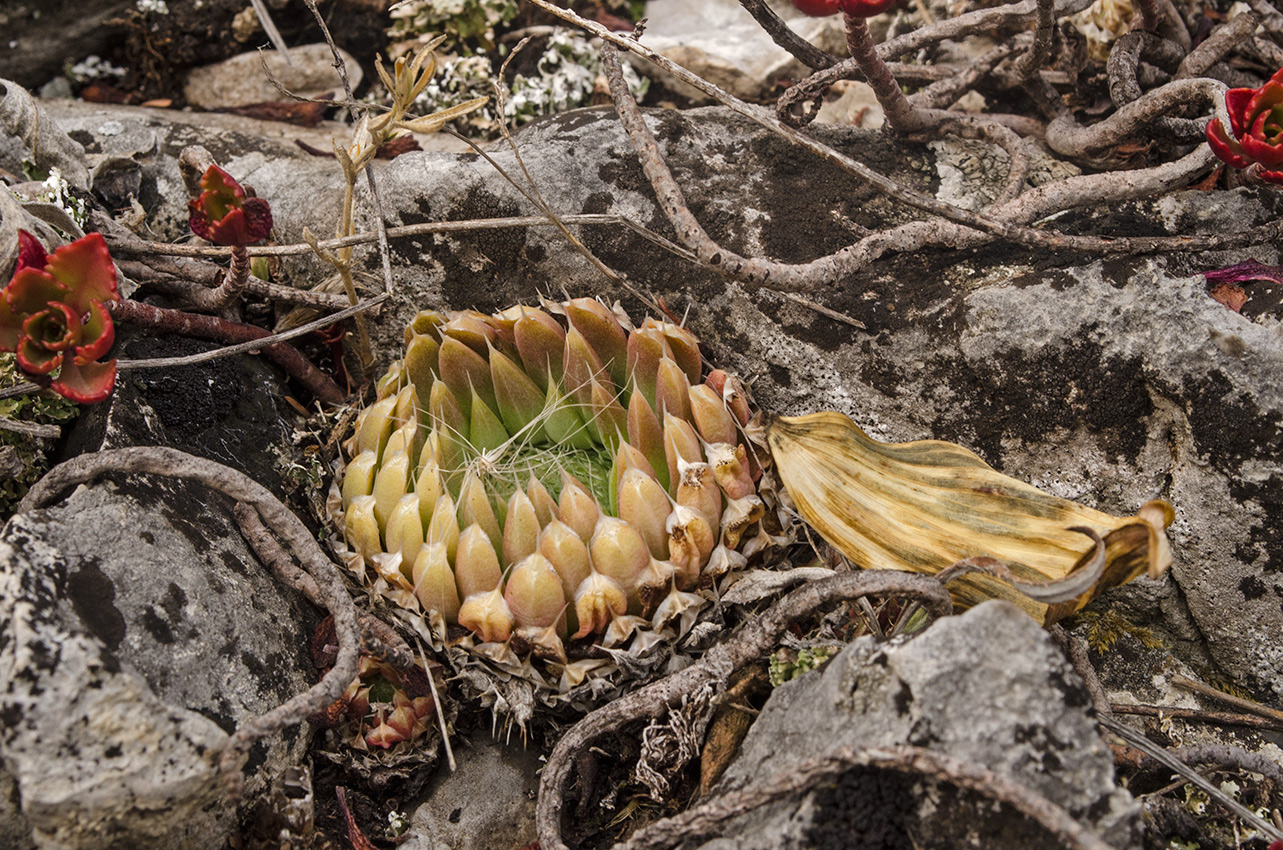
{"x": 987, "y": 687}
{"x": 138, "y": 632}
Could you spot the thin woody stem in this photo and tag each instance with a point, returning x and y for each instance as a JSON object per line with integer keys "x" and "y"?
{"x": 211, "y": 327}
{"x": 901, "y": 114}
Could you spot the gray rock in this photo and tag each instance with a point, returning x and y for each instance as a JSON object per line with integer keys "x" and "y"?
{"x": 138, "y": 632}
{"x": 988, "y": 688}
{"x": 241, "y": 80}
{"x": 488, "y": 802}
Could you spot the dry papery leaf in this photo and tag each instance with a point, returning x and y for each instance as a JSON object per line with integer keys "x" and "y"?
{"x": 926, "y": 505}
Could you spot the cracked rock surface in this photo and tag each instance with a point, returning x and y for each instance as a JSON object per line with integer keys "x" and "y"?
{"x": 987, "y": 687}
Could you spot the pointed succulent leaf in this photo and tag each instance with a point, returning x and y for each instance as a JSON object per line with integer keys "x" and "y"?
{"x": 582, "y": 366}
{"x": 465, "y": 372}
{"x": 672, "y": 390}
{"x": 644, "y": 505}
{"x": 568, "y": 554}
{"x": 534, "y": 594}
{"x": 485, "y": 431}
{"x": 545, "y": 505}
{"x": 375, "y": 426}
{"x": 577, "y": 508}
{"x": 541, "y": 342}
{"x": 646, "y": 435}
{"x": 405, "y": 530}
{"x": 361, "y": 528}
{"x": 476, "y": 564}
{"x": 488, "y": 616}
{"x": 390, "y": 484}
{"x": 443, "y": 527}
{"x": 434, "y": 582}
{"x": 358, "y": 477}
{"x": 714, "y": 421}
{"x": 646, "y": 348}
{"x": 609, "y": 415}
{"x": 475, "y": 507}
{"x": 31, "y": 254}
{"x": 520, "y": 399}
{"x": 520, "y": 528}
{"x": 603, "y": 333}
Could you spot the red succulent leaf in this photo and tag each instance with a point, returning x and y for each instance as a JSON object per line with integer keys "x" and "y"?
{"x": 86, "y": 383}
{"x": 226, "y": 214}
{"x": 1256, "y": 129}
{"x": 816, "y": 8}
{"x": 31, "y": 254}
{"x": 32, "y": 291}
{"x": 1244, "y": 272}
{"x": 1262, "y": 143}
{"x": 1227, "y": 149}
{"x": 54, "y": 329}
{"x": 10, "y": 326}
{"x": 96, "y": 335}
{"x": 36, "y": 359}
{"x": 1236, "y": 104}
{"x": 84, "y": 267}
{"x": 865, "y": 8}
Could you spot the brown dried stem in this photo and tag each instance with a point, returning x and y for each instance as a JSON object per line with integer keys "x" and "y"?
{"x": 708, "y": 818}
{"x": 1225, "y": 718}
{"x": 210, "y": 327}
{"x": 900, "y": 114}
{"x": 154, "y": 460}
{"x": 1040, "y": 52}
{"x": 1172, "y": 762}
{"x": 377, "y": 637}
{"x": 801, "y": 49}
{"x": 752, "y": 642}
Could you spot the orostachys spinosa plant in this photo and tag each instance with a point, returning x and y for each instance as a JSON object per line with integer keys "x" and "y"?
{"x": 553, "y": 489}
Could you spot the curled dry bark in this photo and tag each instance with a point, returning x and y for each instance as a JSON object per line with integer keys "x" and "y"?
{"x": 153, "y": 460}
{"x": 753, "y": 641}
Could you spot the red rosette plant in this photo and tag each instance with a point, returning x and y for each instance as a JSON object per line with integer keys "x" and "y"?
{"x": 1255, "y": 134}
{"x": 54, "y": 315}
{"x": 226, "y": 213}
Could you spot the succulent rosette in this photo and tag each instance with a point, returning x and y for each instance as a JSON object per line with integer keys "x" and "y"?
{"x": 227, "y": 213}
{"x": 1255, "y": 134}
{"x": 53, "y": 314}
{"x": 552, "y": 484}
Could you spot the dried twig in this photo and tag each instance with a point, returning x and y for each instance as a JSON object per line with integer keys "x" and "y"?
{"x": 801, "y": 49}
{"x": 708, "y": 818}
{"x": 1171, "y": 762}
{"x": 753, "y": 641}
{"x": 377, "y": 638}
{"x": 1224, "y": 718}
{"x": 154, "y": 460}
{"x": 252, "y": 345}
{"x": 1076, "y": 651}
{"x": 1245, "y": 704}
{"x": 251, "y": 337}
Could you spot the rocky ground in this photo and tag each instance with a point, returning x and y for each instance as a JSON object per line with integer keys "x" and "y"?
{"x": 141, "y": 629}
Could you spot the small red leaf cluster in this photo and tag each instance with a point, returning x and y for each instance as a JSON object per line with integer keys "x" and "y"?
{"x": 1256, "y": 129}
{"x": 53, "y": 314}
{"x": 227, "y": 213}
{"x": 854, "y": 8}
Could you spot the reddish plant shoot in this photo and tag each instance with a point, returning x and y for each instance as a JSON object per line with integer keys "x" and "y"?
{"x": 854, "y": 8}
{"x": 227, "y": 213}
{"x": 53, "y": 315}
{"x": 1255, "y": 135}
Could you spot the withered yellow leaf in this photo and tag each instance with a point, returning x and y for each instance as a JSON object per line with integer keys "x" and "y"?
{"x": 925, "y": 505}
